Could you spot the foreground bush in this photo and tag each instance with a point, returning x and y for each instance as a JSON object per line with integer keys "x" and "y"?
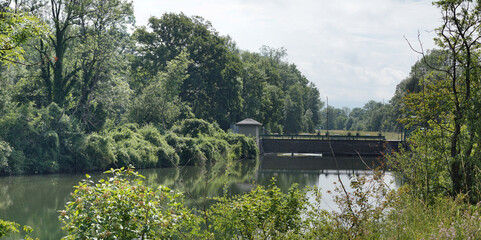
{"x": 121, "y": 207}
{"x": 263, "y": 213}
{"x": 7, "y": 228}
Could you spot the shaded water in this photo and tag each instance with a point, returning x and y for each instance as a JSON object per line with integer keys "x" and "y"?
{"x": 35, "y": 200}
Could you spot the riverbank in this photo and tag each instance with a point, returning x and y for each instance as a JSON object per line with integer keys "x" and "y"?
{"x": 62, "y": 149}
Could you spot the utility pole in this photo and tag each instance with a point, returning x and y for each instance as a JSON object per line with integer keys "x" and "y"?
{"x": 327, "y": 117}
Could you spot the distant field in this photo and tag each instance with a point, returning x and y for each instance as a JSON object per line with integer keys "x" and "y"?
{"x": 388, "y": 135}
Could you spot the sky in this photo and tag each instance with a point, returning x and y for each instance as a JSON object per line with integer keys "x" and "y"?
{"x": 352, "y": 50}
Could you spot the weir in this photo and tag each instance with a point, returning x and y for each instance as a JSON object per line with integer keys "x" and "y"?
{"x": 328, "y": 145}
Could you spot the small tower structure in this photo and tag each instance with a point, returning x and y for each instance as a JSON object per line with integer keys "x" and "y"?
{"x": 250, "y": 128}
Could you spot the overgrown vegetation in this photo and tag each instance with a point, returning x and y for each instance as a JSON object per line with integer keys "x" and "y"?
{"x": 46, "y": 141}
{"x": 101, "y": 98}
{"x": 370, "y": 211}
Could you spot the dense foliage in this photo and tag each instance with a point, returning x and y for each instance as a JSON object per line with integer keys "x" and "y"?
{"x": 443, "y": 111}
{"x": 102, "y": 98}
{"x": 45, "y": 141}
{"x": 370, "y": 211}
{"x": 122, "y": 208}
{"x": 82, "y": 93}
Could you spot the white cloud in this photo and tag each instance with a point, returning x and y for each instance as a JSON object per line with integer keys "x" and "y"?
{"x": 354, "y": 51}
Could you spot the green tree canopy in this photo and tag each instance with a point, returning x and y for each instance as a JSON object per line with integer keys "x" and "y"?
{"x": 213, "y": 88}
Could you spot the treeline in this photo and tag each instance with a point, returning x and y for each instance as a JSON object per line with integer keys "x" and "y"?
{"x": 373, "y": 116}
{"x": 380, "y": 116}
{"x": 177, "y": 67}
{"x": 79, "y": 92}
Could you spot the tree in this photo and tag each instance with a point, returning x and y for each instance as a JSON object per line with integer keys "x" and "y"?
{"x": 267, "y": 83}
{"x": 275, "y": 54}
{"x": 374, "y": 115}
{"x": 314, "y": 104}
{"x": 432, "y": 60}
{"x": 446, "y": 110}
{"x": 293, "y": 110}
{"x": 273, "y": 108}
{"x": 213, "y": 88}
{"x": 16, "y": 28}
{"x": 254, "y": 88}
{"x": 87, "y": 36}
{"x": 159, "y": 103}
{"x": 307, "y": 121}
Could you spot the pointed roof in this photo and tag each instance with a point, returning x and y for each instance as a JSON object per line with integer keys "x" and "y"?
{"x": 249, "y": 121}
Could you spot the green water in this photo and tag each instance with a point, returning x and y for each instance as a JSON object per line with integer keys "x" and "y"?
{"x": 36, "y": 200}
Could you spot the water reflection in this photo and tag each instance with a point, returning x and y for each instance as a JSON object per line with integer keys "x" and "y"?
{"x": 323, "y": 172}
{"x": 35, "y": 200}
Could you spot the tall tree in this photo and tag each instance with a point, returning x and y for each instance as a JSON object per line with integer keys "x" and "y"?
{"x": 446, "y": 109}
{"x": 294, "y": 110}
{"x": 213, "y": 88}
{"x": 86, "y": 35}
{"x": 159, "y": 103}
{"x": 460, "y": 35}
{"x": 431, "y": 61}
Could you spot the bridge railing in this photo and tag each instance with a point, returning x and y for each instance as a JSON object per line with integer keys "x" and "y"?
{"x": 324, "y": 137}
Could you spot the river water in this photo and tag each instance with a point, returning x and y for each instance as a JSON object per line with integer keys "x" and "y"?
{"x": 36, "y": 200}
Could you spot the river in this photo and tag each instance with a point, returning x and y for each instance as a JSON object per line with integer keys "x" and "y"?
{"x": 35, "y": 200}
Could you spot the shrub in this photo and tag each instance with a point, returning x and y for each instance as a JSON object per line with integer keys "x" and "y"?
{"x": 166, "y": 155}
{"x": 5, "y": 151}
{"x": 41, "y": 138}
{"x": 263, "y": 213}
{"x": 246, "y": 146}
{"x": 127, "y": 144}
{"x": 214, "y": 149}
{"x": 99, "y": 152}
{"x": 187, "y": 149}
{"x": 121, "y": 207}
{"x": 7, "y": 228}
{"x": 196, "y": 127}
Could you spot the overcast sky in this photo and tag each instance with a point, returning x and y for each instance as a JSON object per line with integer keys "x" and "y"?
{"x": 352, "y": 50}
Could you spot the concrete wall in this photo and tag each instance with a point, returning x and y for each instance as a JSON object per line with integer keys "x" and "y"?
{"x": 248, "y": 130}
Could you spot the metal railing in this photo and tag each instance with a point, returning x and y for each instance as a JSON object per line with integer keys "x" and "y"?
{"x": 324, "y": 137}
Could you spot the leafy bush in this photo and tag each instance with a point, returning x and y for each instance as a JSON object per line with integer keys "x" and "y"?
{"x": 127, "y": 144}
{"x": 197, "y": 141}
{"x": 167, "y": 157}
{"x": 214, "y": 149}
{"x": 7, "y": 228}
{"x": 121, "y": 207}
{"x": 186, "y": 148}
{"x": 246, "y": 147}
{"x": 196, "y": 127}
{"x": 263, "y": 213}
{"x": 98, "y": 152}
{"x": 43, "y": 139}
{"x": 5, "y": 151}
{"x": 47, "y": 140}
